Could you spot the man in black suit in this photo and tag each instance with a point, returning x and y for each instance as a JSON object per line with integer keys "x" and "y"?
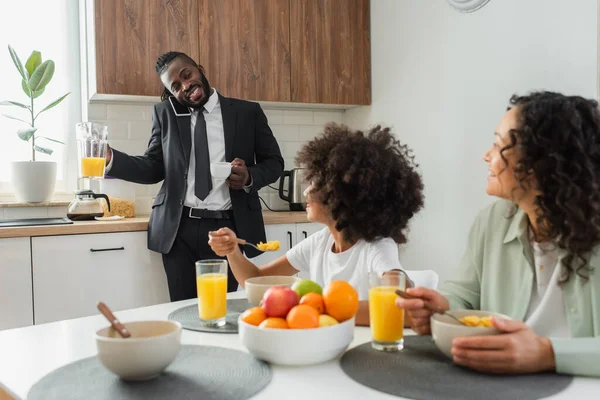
{"x": 193, "y": 127}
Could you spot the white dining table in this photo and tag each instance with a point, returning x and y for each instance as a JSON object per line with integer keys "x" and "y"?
{"x": 27, "y": 354}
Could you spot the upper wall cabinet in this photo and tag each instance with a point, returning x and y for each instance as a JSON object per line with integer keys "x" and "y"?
{"x": 331, "y": 52}
{"x": 131, "y": 34}
{"x": 244, "y": 47}
{"x": 300, "y": 51}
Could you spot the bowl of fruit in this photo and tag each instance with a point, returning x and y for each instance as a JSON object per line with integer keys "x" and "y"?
{"x": 301, "y": 325}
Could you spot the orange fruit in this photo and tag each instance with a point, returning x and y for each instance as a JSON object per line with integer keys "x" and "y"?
{"x": 303, "y": 317}
{"x": 274, "y": 323}
{"x": 341, "y": 300}
{"x": 254, "y": 316}
{"x": 314, "y": 300}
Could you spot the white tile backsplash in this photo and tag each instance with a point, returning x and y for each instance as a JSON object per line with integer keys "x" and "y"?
{"x": 130, "y": 128}
{"x": 323, "y": 117}
{"x": 140, "y": 130}
{"x": 57, "y": 212}
{"x": 297, "y": 117}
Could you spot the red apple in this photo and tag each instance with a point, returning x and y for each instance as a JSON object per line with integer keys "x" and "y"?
{"x": 278, "y": 301}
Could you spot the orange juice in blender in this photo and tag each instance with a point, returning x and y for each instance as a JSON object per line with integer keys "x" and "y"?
{"x": 211, "y": 284}
{"x": 92, "y": 166}
{"x": 386, "y": 319}
{"x": 92, "y": 143}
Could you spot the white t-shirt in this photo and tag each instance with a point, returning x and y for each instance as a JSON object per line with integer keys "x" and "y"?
{"x": 315, "y": 257}
{"x": 546, "y": 314}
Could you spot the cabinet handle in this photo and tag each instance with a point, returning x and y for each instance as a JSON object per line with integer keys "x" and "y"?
{"x": 305, "y": 234}
{"x": 290, "y": 238}
{"x": 108, "y": 249}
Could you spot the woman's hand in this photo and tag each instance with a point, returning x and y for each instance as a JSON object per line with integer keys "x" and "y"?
{"x": 519, "y": 350}
{"x": 418, "y": 315}
{"x": 222, "y": 242}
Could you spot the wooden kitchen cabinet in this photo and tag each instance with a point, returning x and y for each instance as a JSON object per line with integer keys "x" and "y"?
{"x": 131, "y": 34}
{"x": 300, "y": 51}
{"x": 16, "y": 300}
{"x": 244, "y": 47}
{"x": 330, "y": 50}
{"x": 72, "y": 273}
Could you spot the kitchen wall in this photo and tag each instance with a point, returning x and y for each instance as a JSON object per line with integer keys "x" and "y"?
{"x": 130, "y": 127}
{"x": 442, "y": 80}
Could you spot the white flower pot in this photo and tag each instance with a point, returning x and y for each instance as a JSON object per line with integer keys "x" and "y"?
{"x": 33, "y": 181}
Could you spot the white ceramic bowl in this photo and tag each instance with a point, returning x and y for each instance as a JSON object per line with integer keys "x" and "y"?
{"x": 297, "y": 346}
{"x": 220, "y": 170}
{"x": 257, "y": 286}
{"x": 152, "y": 347}
{"x": 444, "y": 329}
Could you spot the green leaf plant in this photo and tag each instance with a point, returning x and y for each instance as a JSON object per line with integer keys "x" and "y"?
{"x": 35, "y": 76}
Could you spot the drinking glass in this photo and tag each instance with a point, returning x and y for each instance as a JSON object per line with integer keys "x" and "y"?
{"x": 386, "y": 319}
{"x": 211, "y": 283}
{"x": 92, "y": 140}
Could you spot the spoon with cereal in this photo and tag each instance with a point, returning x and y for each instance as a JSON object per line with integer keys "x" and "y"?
{"x": 269, "y": 246}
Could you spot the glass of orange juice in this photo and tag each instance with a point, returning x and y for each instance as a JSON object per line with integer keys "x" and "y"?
{"x": 386, "y": 320}
{"x": 92, "y": 140}
{"x": 211, "y": 283}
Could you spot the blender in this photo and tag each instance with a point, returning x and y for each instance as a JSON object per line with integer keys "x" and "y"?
{"x": 92, "y": 141}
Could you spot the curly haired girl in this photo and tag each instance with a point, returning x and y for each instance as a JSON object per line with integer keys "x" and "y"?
{"x": 364, "y": 189}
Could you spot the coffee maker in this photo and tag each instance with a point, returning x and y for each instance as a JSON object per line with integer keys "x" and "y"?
{"x": 92, "y": 143}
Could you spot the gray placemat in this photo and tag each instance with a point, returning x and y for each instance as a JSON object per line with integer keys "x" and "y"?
{"x": 198, "y": 373}
{"x": 422, "y": 372}
{"x": 189, "y": 319}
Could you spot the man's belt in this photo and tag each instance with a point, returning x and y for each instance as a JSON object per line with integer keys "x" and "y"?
{"x": 199, "y": 213}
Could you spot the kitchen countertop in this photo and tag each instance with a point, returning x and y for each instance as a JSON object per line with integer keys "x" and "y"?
{"x": 128, "y": 225}
{"x": 30, "y": 353}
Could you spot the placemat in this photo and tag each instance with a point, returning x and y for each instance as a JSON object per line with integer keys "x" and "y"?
{"x": 188, "y": 317}
{"x": 198, "y": 373}
{"x": 422, "y": 372}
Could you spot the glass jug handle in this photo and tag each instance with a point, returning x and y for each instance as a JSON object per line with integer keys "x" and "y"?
{"x": 103, "y": 196}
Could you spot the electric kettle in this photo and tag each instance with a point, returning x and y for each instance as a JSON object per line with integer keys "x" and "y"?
{"x": 86, "y": 205}
{"x": 296, "y": 186}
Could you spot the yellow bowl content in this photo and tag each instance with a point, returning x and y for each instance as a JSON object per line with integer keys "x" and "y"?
{"x": 120, "y": 207}
{"x": 269, "y": 246}
{"x": 473, "y": 320}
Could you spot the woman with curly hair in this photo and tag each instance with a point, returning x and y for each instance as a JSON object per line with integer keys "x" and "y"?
{"x": 365, "y": 189}
{"x": 533, "y": 256}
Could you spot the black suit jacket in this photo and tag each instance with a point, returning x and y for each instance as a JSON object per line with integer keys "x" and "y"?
{"x": 247, "y": 136}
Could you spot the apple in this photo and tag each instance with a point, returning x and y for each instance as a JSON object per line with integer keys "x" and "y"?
{"x": 326, "y": 320}
{"x": 278, "y": 301}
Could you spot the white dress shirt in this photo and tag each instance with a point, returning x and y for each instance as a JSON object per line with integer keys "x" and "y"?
{"x": 218, "y": 198}
{"x": 546, "y": 314}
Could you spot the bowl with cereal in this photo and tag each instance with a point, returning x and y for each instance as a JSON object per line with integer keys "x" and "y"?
{"x": 474, "y": 323}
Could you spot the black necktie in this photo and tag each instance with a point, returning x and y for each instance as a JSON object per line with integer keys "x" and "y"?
{"x": 203, "y": 178}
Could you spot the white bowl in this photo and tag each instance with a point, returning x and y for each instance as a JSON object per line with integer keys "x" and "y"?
{"x": 220, "y": 170}
{"x": 444, "y": 329}
{"x": 257, "y": 286}
{"x": 153, "y": 345}
{"x": 297, "y": 346}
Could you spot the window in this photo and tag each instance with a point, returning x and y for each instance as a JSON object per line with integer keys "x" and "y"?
{"x": 51, "y": 27}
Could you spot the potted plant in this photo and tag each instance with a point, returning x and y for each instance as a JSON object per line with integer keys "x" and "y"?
{"x": 33, "y": 180}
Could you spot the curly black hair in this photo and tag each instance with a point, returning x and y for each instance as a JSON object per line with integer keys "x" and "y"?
{"x": 163, "y": 62}
{"x": 367, "y": 179}
{"x": 558, "y": 145}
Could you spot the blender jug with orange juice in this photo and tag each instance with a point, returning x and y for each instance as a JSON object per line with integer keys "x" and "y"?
{"x": 92, "y": 140}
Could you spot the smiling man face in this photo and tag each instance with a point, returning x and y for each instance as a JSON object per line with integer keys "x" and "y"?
{"x": 186, "y": 81}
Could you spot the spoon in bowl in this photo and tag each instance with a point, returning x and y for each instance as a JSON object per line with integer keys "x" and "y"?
{"x": 428, "y": 306}
{"x": 119, "y": 327}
